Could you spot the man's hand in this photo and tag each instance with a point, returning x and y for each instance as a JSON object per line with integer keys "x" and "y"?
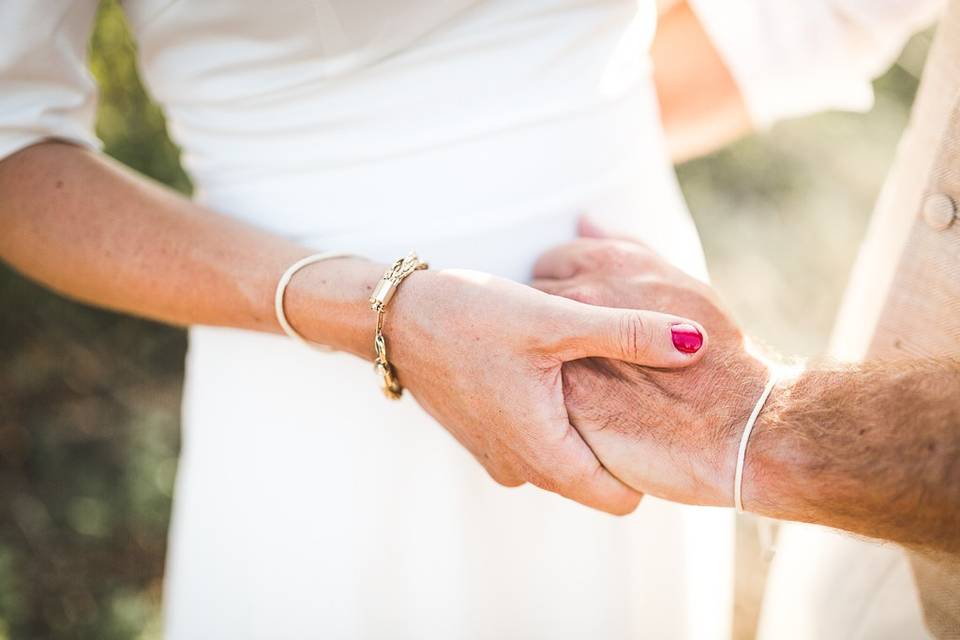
{"x": 872, "y": 448}
{"x": 672, "y": 434}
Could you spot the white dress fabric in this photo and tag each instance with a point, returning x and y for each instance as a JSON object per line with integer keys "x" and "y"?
{"x": 307, "y": 505}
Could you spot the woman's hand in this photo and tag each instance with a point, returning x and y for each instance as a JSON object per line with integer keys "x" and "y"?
{"x": 670, "y": 434}
{"x": 483, "y": 356}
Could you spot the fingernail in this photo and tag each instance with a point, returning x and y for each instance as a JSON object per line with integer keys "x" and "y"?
{"x": 686, "y": 337}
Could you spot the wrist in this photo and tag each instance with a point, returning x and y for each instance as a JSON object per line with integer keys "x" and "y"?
{"x": 777, "y": 457}
{"x": 328, "y": 303}
{"x": 733, "y": 413}
{"x": 404, "y": 324}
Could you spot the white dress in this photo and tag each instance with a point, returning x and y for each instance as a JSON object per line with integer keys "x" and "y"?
{"x": 477, "y": 133}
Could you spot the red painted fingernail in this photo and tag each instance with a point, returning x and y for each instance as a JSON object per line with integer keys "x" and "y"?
{"x": 686, "y": 337}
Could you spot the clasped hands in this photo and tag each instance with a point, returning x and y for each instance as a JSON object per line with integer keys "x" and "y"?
{"x": 586, "y": 391}
{"x": 672, "y": 433}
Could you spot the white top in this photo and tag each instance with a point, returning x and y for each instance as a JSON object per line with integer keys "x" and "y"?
{"x": 789, "y": 58}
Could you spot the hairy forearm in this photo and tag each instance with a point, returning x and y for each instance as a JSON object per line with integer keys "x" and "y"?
{"x": 873, "y": 449}
{"x": 92, "y": 230}
{"x": 701, "y": 106}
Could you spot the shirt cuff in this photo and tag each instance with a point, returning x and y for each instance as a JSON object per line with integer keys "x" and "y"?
{"x": 789, "y": 59}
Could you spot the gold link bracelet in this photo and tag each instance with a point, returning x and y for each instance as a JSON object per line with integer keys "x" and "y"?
{"x": 382, "y": 294}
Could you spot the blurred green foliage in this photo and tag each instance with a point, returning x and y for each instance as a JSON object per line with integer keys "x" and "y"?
{"x": 130, "y": 125}
{"x": 89, "y": 418}
{"x": 781, "y": 214}
{"x": 89, "y": 400}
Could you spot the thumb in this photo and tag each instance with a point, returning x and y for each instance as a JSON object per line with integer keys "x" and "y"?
{"x": 646, "y": 338}
{"x": 587, "y": 228}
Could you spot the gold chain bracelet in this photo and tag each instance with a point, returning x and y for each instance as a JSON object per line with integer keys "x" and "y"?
{"x": 382, "y": 294}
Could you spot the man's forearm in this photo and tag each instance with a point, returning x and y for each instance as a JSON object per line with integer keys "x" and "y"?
{"x": 873, "y": 449}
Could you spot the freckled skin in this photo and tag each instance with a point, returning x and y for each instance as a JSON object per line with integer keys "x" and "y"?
{"x": 871, "y": 448}
{"x": 481, "y": 354}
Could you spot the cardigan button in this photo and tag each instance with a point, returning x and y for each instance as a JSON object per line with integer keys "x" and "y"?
{"x": 939, "y": 210}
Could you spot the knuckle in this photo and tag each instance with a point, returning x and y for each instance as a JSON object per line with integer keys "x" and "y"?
{"x": 582, "y": 293}
{"x": 549, "y": 286}
{"x": 641, "y": 252}
{"x": 638, "y": 258}
{"x": 616, "y": 255}
{"x": 634, "y": 335}
{"x": 601, "y": 254}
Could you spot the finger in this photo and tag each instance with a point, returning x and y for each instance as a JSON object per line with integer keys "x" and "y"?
{"x": 571, "y": 469}
{"x": 646, "y": 338}
{"x": 553, "y": 287}
{"x": 587, "y": 228}
{"x": 592, "y": 255}
{"x": 562, "y": 262}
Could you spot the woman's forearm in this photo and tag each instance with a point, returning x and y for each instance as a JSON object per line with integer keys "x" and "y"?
{"x": 482, "y": 355}
{"x": 94, "y": 231}
{"x": 873, "y": 449}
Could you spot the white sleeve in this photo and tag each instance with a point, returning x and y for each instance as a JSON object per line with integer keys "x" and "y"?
{"x": 795, "y": 57}
{"x": 46, "y": 90}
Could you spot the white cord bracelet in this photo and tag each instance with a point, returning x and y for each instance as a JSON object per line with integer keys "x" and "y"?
{"x": 282, "y": 287}
{"x": 745, "y": 438}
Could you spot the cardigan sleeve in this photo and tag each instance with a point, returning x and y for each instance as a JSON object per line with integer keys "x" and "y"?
{"x": 792, "y": 58}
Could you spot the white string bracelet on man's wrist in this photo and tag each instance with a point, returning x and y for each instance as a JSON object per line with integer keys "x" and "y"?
{"x": 282, "y": 287}
{"x": 747, "y": 430}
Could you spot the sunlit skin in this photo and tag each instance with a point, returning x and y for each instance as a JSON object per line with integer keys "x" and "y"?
{"x": 96, "y": 232}
{"x": 481, "y": 354}
{"x": 870, "y": 448}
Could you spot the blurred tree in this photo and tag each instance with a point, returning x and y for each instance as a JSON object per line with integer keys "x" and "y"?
{"x": 89, "y": 405}
{"x": 129, "y": 123}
